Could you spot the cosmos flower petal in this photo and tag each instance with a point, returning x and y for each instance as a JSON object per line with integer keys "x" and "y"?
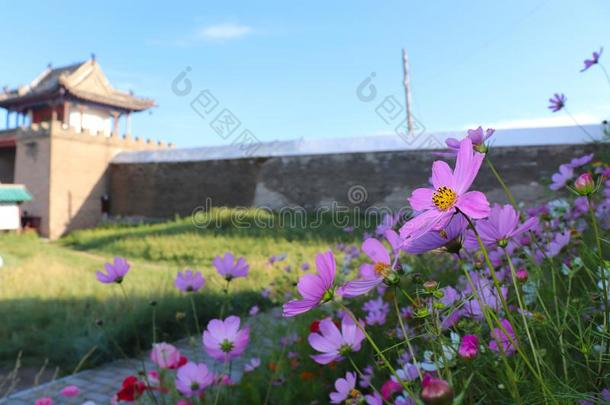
{"x": 297, "y": 307}
{"x": 442, "y": 175}
{"x": 359, "y": 287}
{"x": 375, "y": 250}
{"x": 474, "y": 204}
{"x": 325, "y": 263}
{"x": 421, "y": 199}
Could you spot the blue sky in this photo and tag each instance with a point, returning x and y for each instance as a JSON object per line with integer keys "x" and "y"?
{"x": 288, "y": 70}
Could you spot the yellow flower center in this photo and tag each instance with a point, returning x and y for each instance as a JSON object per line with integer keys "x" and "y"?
{"x": 354, "y": 393}
{"x": 444, "y": 198}
{"x": 382, "y": 269}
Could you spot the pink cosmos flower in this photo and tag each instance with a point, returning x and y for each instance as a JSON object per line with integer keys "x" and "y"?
{"x": 505, "y": 339}
{"x": 449, "y": 237}
{"x": 334, "y": 343}
{"x": 469, "y": 346}
{"x": 70, "y": 391}
{"x": 594, "y": 59}
{"x": 229, "y": 268}
{"x": 165, "y": 355}
{"x": 558, "y": 101}
{"x": 314, "y": 288}
{"x": 389, "y": 388}
{"x": 44, "y": 401}
{"x": 372, "y": 274}
{"x": 477, "y": 136}
{"x": 449, "y": 194}
{"x": 502, "y": 226}
{"x": 566, "y": 172}
{"x": 584, "y": 184}
{"x": 114, "y": 272}
{"x": 346, "y": 388}
{"x": 436, "y": 391}
{"x": 189, "y": 281}
{"x": 192, "y": 379}
{"x": 223, "y": 340}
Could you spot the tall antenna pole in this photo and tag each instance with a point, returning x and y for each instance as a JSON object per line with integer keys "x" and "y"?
{"x": 405, "y": 60}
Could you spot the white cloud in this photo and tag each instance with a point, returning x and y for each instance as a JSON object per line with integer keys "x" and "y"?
{"x": 223, "y": 32}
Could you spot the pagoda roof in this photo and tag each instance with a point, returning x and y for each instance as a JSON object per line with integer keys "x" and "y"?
{"x": 84, "y": 81}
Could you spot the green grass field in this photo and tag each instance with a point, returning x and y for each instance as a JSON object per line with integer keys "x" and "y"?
{"x": 51, "y": 302}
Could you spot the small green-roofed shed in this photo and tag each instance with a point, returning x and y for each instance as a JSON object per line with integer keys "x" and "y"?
{"x": 14, "y": 193}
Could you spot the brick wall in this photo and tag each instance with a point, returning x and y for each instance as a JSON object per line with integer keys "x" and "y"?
{"x": 163, "y": 189}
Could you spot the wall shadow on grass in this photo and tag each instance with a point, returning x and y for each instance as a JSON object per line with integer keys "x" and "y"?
{"x": 64, "y": 331}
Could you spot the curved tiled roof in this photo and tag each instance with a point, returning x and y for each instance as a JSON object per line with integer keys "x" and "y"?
{"x": 84, "y": 81}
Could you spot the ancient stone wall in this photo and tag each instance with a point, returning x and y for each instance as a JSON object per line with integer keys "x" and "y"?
{"x": 381, "y": 179}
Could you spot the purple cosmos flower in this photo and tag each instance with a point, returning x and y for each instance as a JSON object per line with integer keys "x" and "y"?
{"x": 387, "y": 223}
{"x": 469, "y": 346}
{"x": 580, "y": 161}
{"x": 487, "y": 294}
{"x": 252, "y": 365}
{"x": 346, "y": 389}
{"x": 558, "y": 101}
{"x": 314, "y": 288}
{"x": 192, "y": 379}
{"x": 498, "y": 335}
{"x": 254, "y": 310}
{"x": 372, "y": 274}
{"x": 408, "y": 372}
{"x": 562, "y": 177}
{"x": 367, "y": 376}
{"x": 377, "y": 311}
{"x": 477, "y": 136}
{"x": 450, "y": 238}
{"x": 223, "y": 340}
{"x": 437, "y": 205}
{"x": 189, "y": 281}
{"x": 594, "y": 59}
{"x": 560, "y": 241}
{"x": 373, "y": 399}
{"x": 114, "y": 272}
{"x": 228, "y": 268}
{"x": 334, "y": 343}
{"x": 502, "y": 226}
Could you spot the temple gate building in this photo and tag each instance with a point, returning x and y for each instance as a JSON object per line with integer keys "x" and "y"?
{"x": 62, "y": 131}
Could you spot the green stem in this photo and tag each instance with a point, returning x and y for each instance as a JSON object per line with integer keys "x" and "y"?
{"x": 197, "y": 327}
{"x": 379, "y": 352}
{"x": 507, "y": 191}
{"x": 605, "y": 340}
{"x": 523, "y": 317}
{"x": 406, "y": 337}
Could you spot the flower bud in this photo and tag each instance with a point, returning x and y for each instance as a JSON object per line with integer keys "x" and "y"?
{"x": 584, "y": 184}
{"x": 430, "y": 285}
{"x": 436, "y": 391}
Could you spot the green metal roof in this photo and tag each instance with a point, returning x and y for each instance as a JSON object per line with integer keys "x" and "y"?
{"x": 14, "y": 193}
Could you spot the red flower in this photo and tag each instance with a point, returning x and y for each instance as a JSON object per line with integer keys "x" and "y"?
{"x": 183, "y": 360}
{"x": 132, "y": 389}
{"x": 314, "y": 327}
